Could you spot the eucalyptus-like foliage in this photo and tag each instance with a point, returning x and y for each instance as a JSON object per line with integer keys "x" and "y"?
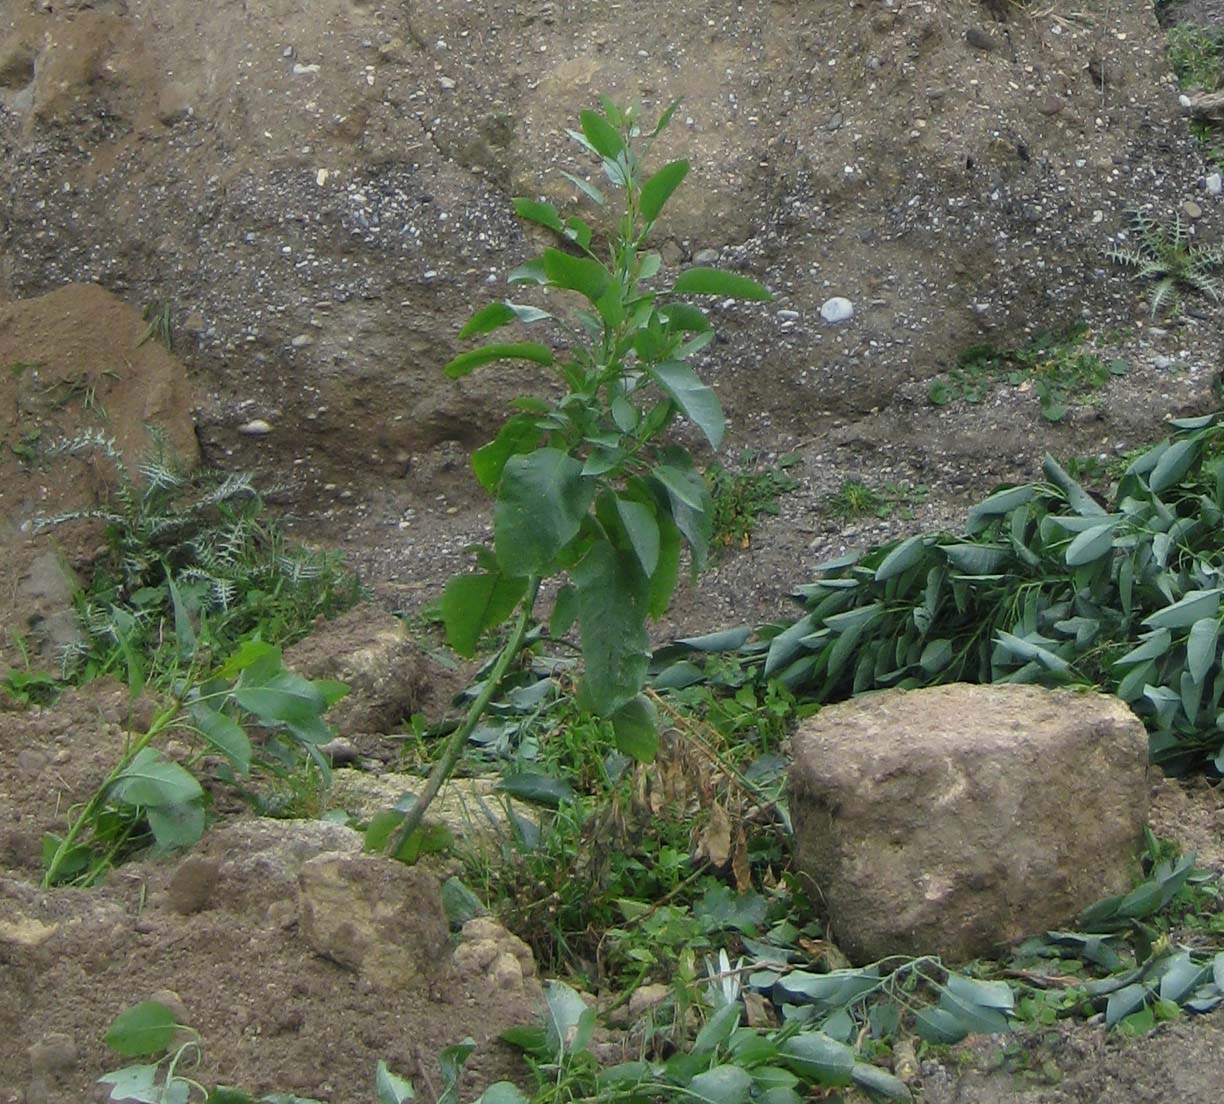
{"x": 1045, "y": 584}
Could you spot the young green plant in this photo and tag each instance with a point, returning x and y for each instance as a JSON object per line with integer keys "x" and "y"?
{"x": 585, "y": 486}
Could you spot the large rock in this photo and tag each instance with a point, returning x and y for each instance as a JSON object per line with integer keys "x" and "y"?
{"x": 952, "y": 820}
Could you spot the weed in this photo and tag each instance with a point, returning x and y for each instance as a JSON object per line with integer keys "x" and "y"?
{"x": 855, "y": 500}
{"x": 31, "y": 687}
{"x": 190, "y": 552}
{"x": 1057, "y": 366}
{"x": 160, "y": 325}
{"x": 27, "y": 448}
{"x": 1194, "y": 55}
{"x": 743, "y": 494}
{"x": 1162, "y": 253}
{"x": 584, "y": 487}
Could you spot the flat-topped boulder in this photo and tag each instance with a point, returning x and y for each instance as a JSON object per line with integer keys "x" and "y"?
{"x": 957, "y": 819}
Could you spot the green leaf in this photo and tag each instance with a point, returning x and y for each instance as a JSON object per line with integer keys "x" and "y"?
{"x": 713, "y": 281}
{"x": 542, "y": 789}
{"x": 451, "y": 1061}
{"x": 639, "y": 522}
{"x": 636, "y": 726}
{"x": 285, "y": 696}
{"x": 698, "y": 402}
{"x": 542, "y": 214}
{"x": 584, "y": 275}
{"x": 502, "y": 1092}
{"x": 459, "y": 902}
{"x": 1156, "y": 644}
{"x": 1079, "y": 499}
{"x": 719, "y": 909}
{"x": 137, "y": 1084}
{"x": 987, "y": 994}
{"x": 658, "y": 189}
{"x": 176, "y": 826}
{"x": 486, "y": 354}
{"x": 184, "y": 634}
{"x": 717, "y": 1029}
{"x": 904, "y": 556}
{"x": 691, "y": 505}
{"x": 685, "y": 317}
{"x": 586, "y": 188}
{"x": 150, "y": 779}
{"x": 486, "y": 320}
{"x": 520, "y": 434}
{"x": 1173, "y": 464}
{"x": 816, "y": 1057}
{"x": 542, "y": 501}
{"x": 473, "y": 604}
{"x": 1124, "y": 1001}
{"x": 726, "y": 1084}
{"x": 1091, "y": 544}
{"x": 1026, "y": 651}
{"x": 568, "y": 1021}
{"x": 663, "y": 581}
{"x": 976, "y": 559}
{"x": 565, "y": 612}
{"x": 390, "y": 1087}
{"x": 1000, "y": 503}
{"x": 938, "y": 1025}
{"x": 612, "y": 595}
{"x": 146, "y": 1028}
{"x": 1181, "y": 977}
{"x": 1196, "y": 605}
{"x": 602, "y": 135}
{"x": 225, "y": 734}
{"x": 879, "y": 1082}
{"x": 975, "y": 1018}
{"x": 1201, "y": 647}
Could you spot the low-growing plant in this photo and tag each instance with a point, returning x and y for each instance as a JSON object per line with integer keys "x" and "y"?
{"x": 587, "y": 486}
{"x": 746, "y": 492}
{"x": 1162, "y": 252}
{"x": 189, "y": 550}
{"x": 1194, "y": 55}
{"x": 148, "y": 800}
{"x": 855, "y": 500}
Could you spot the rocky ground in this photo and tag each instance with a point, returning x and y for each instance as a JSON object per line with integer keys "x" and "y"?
{"x": 319, "y": 193}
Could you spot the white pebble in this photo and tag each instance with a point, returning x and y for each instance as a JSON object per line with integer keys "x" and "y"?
{"x": 257, "y": 427}
{"x": 837, "y": 309}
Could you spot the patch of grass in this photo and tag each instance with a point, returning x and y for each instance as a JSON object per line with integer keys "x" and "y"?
{"x": 1061, "y": 368}
{"x": 746, "y": 492}
{"x": 160, "y": 325}
{"x": 855, "y": 500}
{"x": 1194, "y": 55}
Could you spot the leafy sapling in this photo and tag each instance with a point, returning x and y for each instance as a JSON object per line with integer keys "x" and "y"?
{"x": 586, "y": 486}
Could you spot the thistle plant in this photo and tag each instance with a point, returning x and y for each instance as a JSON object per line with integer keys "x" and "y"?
{"x": 1162, "y": 252}
{"x": 587, "y": 486}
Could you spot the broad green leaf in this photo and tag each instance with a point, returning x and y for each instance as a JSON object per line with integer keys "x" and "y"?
{"x": 726, "y": 1084}
{"x": 176, "y": 826}
{"x": 938, "y": 1025}
{"x": 184, "y": 633}
{"x": 935, "y": 656}
{"x": 636, "y": 727}
{"x": 698, "y": 402}
{"x": 713, "y": 281}
{"x": 726, "y": 640}
{"x": 496, "y": 315}
{"x": 486, "y": 354}
{"x": 473, "y": 604}
{"x": 1181, "y": 977}
{"x": 691, "y": 506}
{"x": 717, "y": 1029}
{"x": 286, "y": 696}
{"x": 658, "y": 189}
{"x": 542, "y": 789}
{"x": 879, "y": 1082}
{"x": 997, "y": 504}
{"x": 1091, "y": 545}
{"x": 1173, "y": 464}
{"x": 225, "y": 734}
{"x": 643, "y": 531}
{"x": 1124, "y": 1001}
{"x": 150, "y": 779}
{"x": 832, "y": 989}
{"x": 568, "y": 1021}
{"x": 719, "y": 908}
{"x": 988, "y": 994}
{"x": 542, "y": 214}
{"x": 663, "y": 581}
{"x": 529, "y": 272}
{"x": 1156, "y": 644}
{"x": 146, "y": 1028}
{"x": 665, "y": 118}
{"x": 136, "y": 1085}
{"x": 976, "y": 559}
{"x": 612, "y": 594}
{"x": 904, "y": 556}
{"x": 503, "y": 1092}
{"x": 565, "y": 612}
{"x": 451, "y": 1061}
{"x": 623, "y": 1074}
{"x": 1195, "y": 605}
{"x": 460, "y": 903}
{"x": 1026, "y": 651}
{"x": 602, "y": 135}
{"x": 975, "y": 1018}
{"x": 1079, "y": 499}
{"x": 581, "y": 274}
{"x": 685, "y": 317}
{"x": 541, "y": 503}
{"x": 518, "y": 435}
{"x": 816, "y": 1057}
{"x": 1201, "y": 647}
{"x": 390, "y": 1087}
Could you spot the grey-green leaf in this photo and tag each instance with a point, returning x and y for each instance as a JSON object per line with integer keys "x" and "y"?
{"x": 150, "y": 779}
{"x": 390, "y": 1087}
{"x": 1201, "y": 647}
{"x": 879, "y": 1082}
{"x": 612, "y": 594}
{"x": 541, "y": 502}
{"x": 698, "y": 402}
{"x": 713, "y": 281}
{"x": 726, "y": 1084}
{"x": 643, "y": 530}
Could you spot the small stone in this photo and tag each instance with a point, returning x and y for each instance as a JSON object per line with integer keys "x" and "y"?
{"x": 194, "y": 323}
{"x": 256, "y": 427}
{"x": 340, "y": 751}
{"x": 705, "y": 256}
{"x": 56, "y": 1053}
{"x": 447, "y": 83}
{"x": 788, "y": 315}
{"x": 1162, "y": 362}
{"x": 1214, "y": 183}
{"x": 837, "y": 309}
{"x": 173, "y": 105}
{"x": 979, "y": 39}
{"x": 304, "y": 70}
{"x": 1050, "y": 105}
{"x": 1192, "y": 210}
{"x": 192, "y": 884}
{"x": 302, "y": 341}
{"x": 506, "y": 972}
{"x": 646, "y": 997}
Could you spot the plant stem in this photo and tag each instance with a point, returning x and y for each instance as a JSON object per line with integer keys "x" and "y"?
{"x": 445, "y": 766}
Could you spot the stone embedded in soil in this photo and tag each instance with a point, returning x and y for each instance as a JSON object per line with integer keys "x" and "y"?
{"x": 54, "y": 1053}
{"x": 958, "y": 819}
{"x": 193, "y": 883}
{"x": 837, "y": 309}
{"x": 374, "y": 916}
